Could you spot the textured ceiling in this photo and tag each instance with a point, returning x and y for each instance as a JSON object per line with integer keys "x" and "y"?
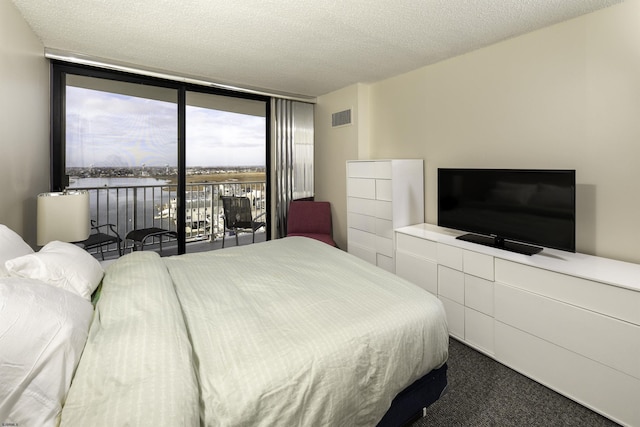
{"x": 300, "y": 47}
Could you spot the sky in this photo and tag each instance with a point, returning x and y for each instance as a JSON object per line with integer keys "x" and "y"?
{"x": 109, "y": 129}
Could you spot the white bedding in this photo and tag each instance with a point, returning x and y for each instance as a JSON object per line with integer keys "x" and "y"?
{"x": 137, "y": 366}
{"x": 42, "y": 333}
{"x": 295, "y": 332}
{"x": 290, "y": 332}
{"x": 44, "y": 320}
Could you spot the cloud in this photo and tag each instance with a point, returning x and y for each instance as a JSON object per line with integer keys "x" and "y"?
{"x": 108, "y": 129}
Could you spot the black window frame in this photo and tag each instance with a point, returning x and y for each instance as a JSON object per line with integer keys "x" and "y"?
{"x": 58, "y": 178}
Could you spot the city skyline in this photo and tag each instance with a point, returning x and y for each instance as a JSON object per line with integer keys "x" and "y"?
{"x": 107, "y": 129}
{"x": 152, "y": 171}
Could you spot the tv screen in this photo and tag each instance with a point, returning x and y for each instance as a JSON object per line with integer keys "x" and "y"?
{"x": 506, "y": 206}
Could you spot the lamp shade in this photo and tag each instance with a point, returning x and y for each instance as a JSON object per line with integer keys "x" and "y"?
{"x": 63, "y": 216}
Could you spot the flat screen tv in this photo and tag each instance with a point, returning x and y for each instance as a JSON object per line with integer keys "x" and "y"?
{"x": 520, "y": 210}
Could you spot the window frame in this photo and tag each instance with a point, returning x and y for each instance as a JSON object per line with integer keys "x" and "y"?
{"x": 57, "y": 176}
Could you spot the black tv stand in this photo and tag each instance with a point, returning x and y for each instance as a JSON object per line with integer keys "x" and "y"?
{"x": 500, "y": 243}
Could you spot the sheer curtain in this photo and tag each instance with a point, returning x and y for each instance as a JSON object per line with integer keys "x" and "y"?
{"x": 293, "y": 156}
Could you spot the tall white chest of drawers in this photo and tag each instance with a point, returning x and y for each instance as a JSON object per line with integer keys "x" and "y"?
{"x": 382, "y": 195}
{"x": 569, "y": 321}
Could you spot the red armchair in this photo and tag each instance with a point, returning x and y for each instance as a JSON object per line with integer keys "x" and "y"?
{"x": 310, "y": 219}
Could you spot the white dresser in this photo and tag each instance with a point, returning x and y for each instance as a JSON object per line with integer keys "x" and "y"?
{"x": 382, "y": 195}
{"x": 569, "y": 321}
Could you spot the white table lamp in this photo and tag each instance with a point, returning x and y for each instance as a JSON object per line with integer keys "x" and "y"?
{"x": 63, "y": 216}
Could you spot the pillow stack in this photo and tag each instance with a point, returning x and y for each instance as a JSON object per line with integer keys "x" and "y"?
{"x": 45, "y": 314}
{"x": 62, "y": 265}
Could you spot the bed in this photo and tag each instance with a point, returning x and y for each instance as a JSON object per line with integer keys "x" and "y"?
{"x": 286, "y": 332}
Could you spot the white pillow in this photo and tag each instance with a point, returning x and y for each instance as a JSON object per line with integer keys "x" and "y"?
{"x": 60, "y": 264}
{"x": 11, "y": 246}
{"x": 43, "y": 331}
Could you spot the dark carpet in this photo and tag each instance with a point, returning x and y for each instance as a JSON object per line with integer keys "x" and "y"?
{"x": 483, "y": 392}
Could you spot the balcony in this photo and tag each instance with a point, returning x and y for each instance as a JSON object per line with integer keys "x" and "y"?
{"x": 135, "y": 207}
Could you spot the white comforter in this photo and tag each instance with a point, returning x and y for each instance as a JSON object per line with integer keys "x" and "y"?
{"x": 294, "y": 332}
{"x": 290, "y": 332}
{"x": 137, "y": 366}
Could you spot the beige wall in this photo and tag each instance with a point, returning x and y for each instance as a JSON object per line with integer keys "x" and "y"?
{"x": 24, "y": 122}
{"x": 567, "y": 96}
{"x": 334, "y": 146}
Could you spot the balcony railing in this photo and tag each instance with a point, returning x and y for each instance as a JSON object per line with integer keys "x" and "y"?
{"x": 135, "y": 207}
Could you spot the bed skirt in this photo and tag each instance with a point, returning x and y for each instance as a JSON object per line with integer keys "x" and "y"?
{"x": 408, "y": 406}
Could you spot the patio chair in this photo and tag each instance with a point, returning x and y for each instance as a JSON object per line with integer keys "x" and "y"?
{"x": 310, "y": 219}
{"x": 102, "y": 235}
{"x": 238, "y": 217}
{"x": 141, "y": 236}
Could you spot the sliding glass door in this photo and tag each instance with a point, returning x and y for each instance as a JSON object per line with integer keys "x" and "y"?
{"x": 226, "y": 153}
{"x": 158, "y": 154}
{"x": 121, "y": 144}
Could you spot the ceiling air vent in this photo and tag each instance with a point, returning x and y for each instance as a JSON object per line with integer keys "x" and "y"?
{"x": 341, "y": 118}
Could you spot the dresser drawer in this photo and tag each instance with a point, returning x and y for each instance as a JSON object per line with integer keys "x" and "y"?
{"x": 601, "y": 338}
{"x": 386, "y": 263}
{"x": 361, "y": 170}
{"x": 417, "y": 246}
{"x": 384, "y": 246}
{"x": 417, "y": 270}
{"x": 384, "y": 210}
{"x": 478, "y": 294}
{"x": 369, "y": 169}
{"x": 383, "y": 189}
{"x": 450, "y": 256}
{"x": 361, "y": 238}
{"x": 361, "y": 206}
{"x": 451, "y": 284}
{"x": 478, "y": 330}
{"x": 477, "y": 264}
{"x": 361, "y": 222}
{"x": 384, "y": 228}
{"x": 362, "y": 188}
{"x": 382, "y": 169}
{"x": 623, "y": 304}
{"x": 367, "y": 254}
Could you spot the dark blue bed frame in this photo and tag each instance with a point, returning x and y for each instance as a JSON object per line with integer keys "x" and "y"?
{"x": 409, "y": 404}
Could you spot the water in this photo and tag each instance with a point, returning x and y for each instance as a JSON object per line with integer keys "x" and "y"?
{"x": 134, "y": 203}
{"x": 116, "y": 200}
{"x": 115, "y": 182}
